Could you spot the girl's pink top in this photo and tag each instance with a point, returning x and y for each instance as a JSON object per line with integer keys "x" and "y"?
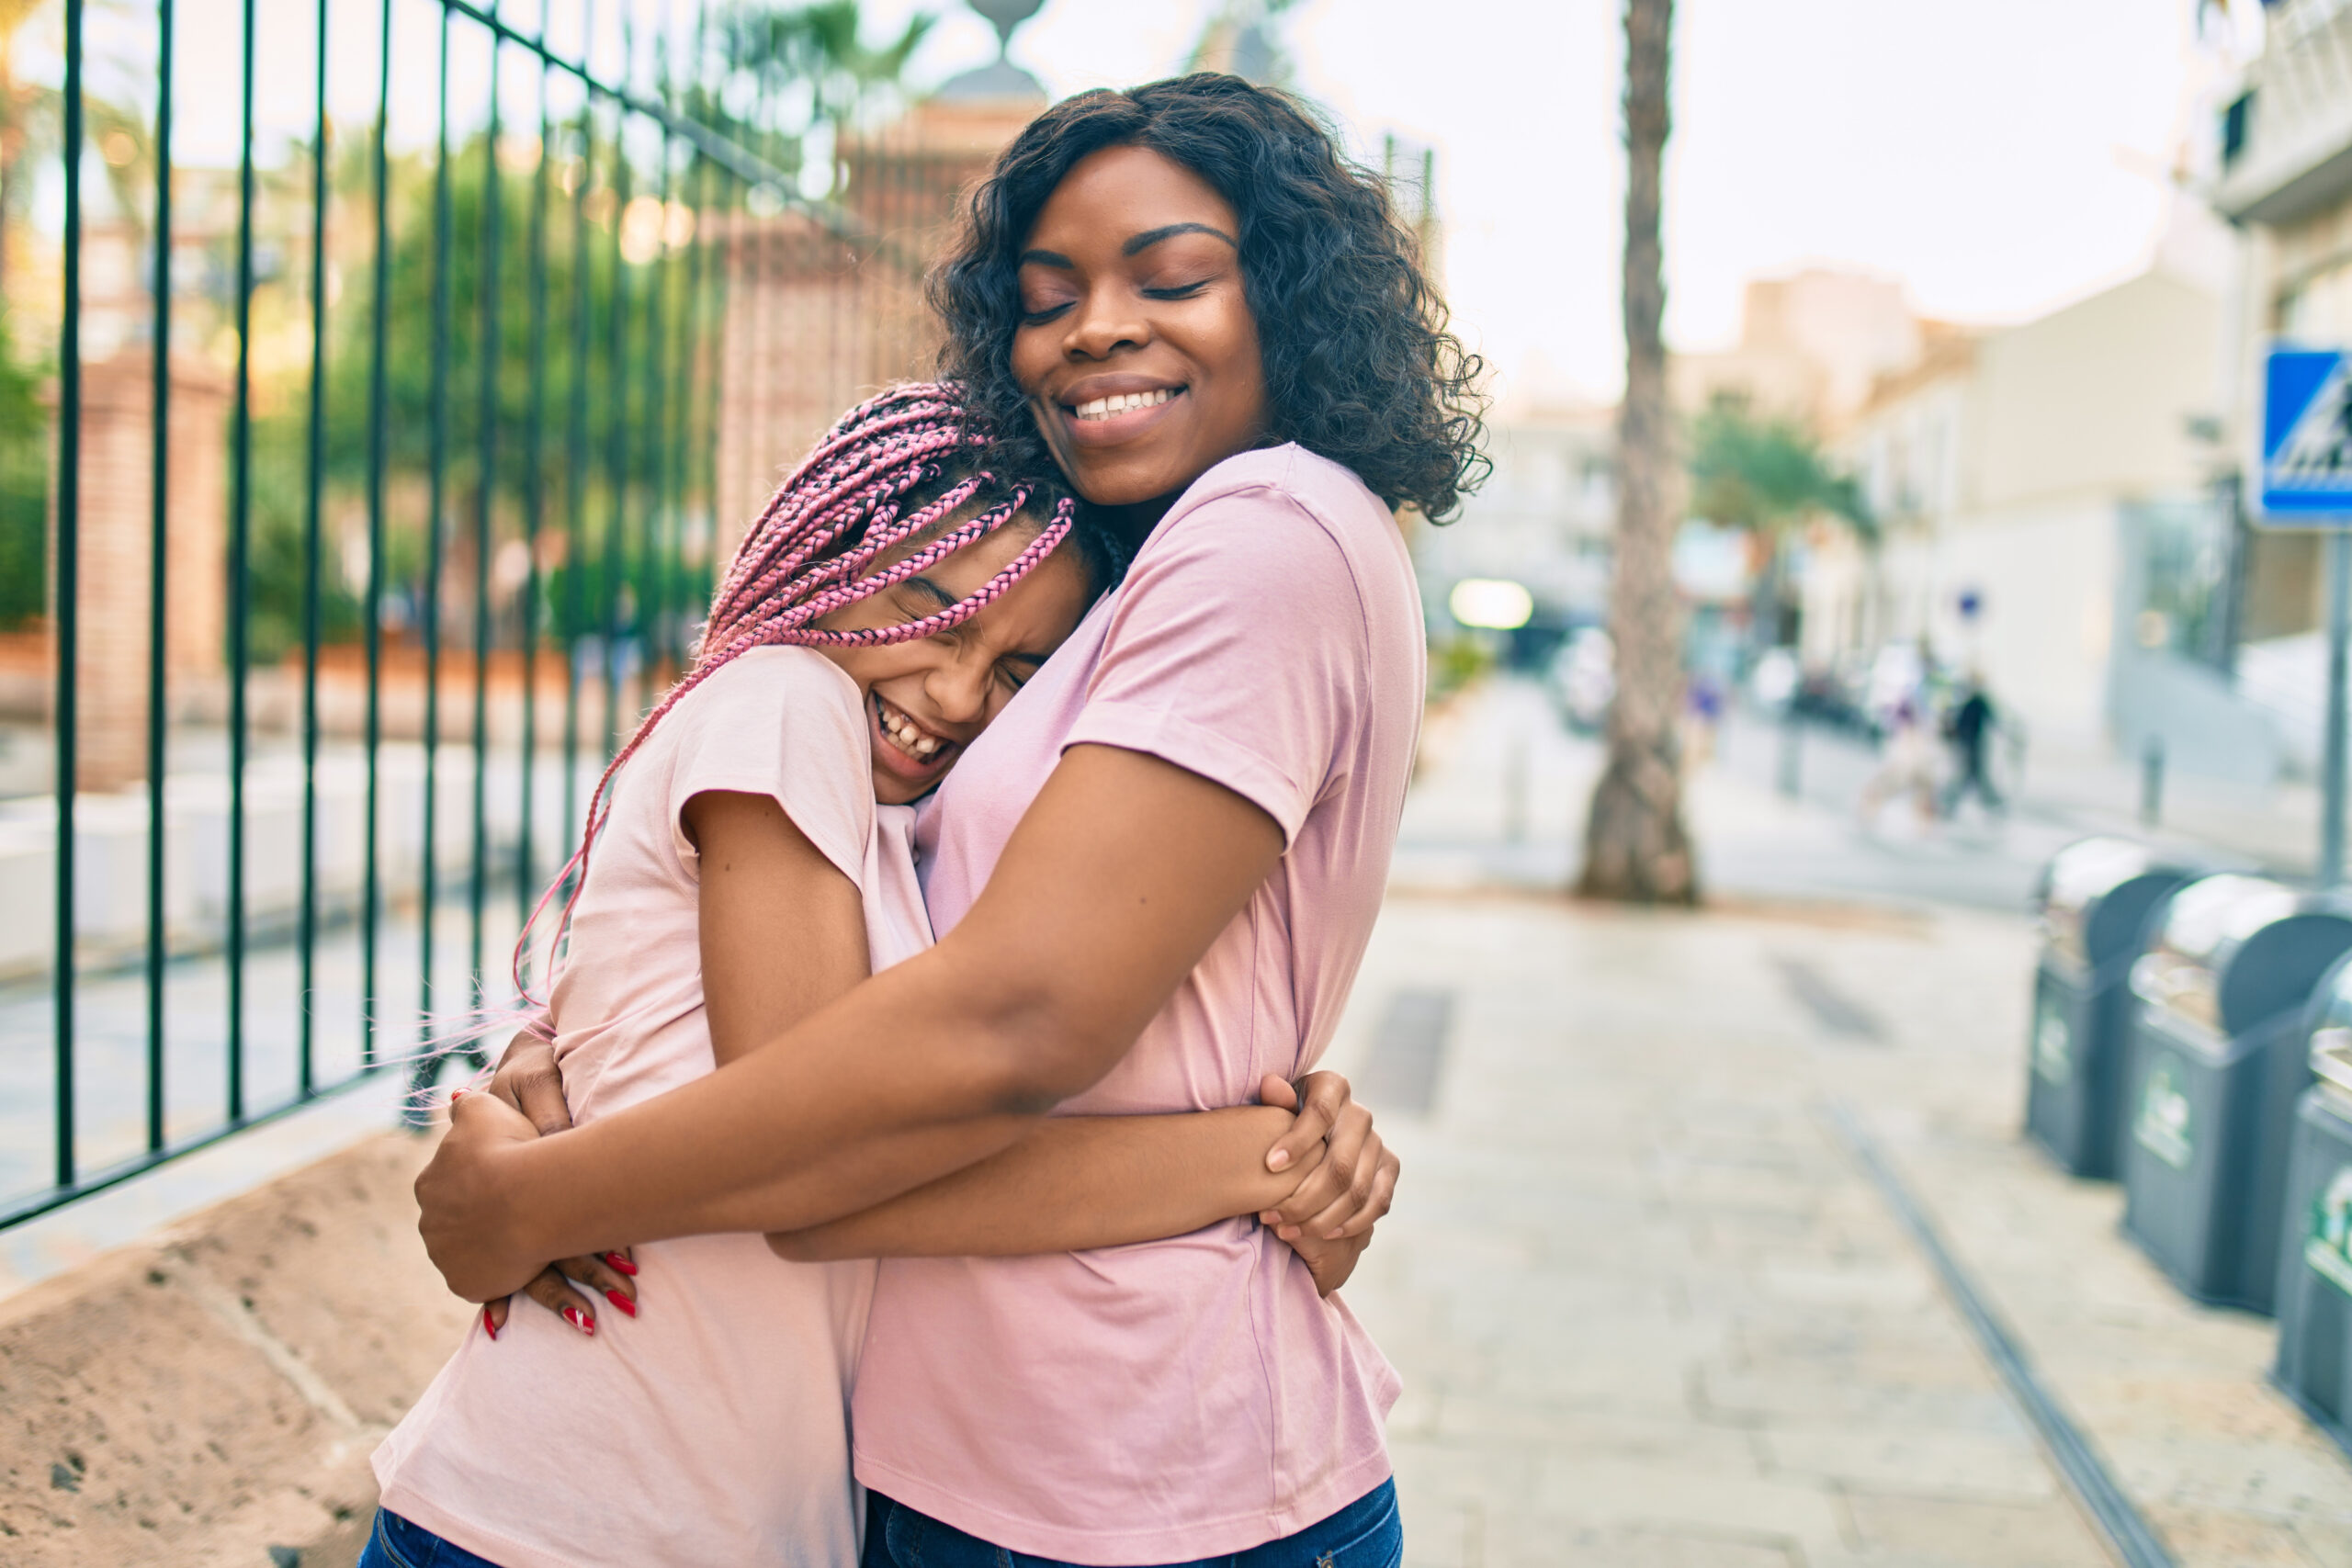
{"x": 709, "y": 1430}
{"x": 1193, "y": 1397}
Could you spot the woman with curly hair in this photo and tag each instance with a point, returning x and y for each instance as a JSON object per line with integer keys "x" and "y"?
{"x": 1153, "y": 879}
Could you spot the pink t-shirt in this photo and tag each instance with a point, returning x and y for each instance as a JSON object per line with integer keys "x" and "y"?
{"x": 1192, "y": 1398}
{"x": 711, "y": 1430}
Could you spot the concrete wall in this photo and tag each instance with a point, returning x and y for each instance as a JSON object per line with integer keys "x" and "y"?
{"x": 213, "y": 1390}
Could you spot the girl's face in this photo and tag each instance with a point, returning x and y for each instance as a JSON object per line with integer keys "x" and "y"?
{"x": 1137, "y": 344}
{"x": 926, "y": 700}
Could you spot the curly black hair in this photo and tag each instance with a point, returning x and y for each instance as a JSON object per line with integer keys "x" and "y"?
{"x": 1360, "y": 366}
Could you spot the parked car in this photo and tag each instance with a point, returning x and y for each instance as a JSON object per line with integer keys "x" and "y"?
{"x": 1582, "y": 678}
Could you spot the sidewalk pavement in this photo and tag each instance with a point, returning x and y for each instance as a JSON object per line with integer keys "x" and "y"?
{"x": 1650, "y": 1310}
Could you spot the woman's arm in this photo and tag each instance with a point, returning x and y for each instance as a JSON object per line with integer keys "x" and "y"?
{"x": 1073, "y": 1183}
{"x": 1119, "y": 877}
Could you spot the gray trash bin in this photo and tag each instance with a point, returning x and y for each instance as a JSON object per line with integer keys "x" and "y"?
{"x": 2217, "y": 1059}
{"x": 2314, "y": 1293}
{"x": 2095, "y": 899}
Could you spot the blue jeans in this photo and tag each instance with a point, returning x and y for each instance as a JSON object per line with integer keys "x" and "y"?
{"x": 396, "y": 1543}
{"x": 1365, "y": 1534}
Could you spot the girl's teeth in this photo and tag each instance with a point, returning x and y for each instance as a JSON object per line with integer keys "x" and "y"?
{"x": 906, "y": 736}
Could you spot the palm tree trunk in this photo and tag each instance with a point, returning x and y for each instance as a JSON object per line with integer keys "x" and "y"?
{"x": 1635, "y": 845}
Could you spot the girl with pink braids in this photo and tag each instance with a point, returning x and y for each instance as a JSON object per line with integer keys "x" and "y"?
{"x": 747, "y": 860}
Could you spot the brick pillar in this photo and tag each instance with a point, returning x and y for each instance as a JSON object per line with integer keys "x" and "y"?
{"x": 114, "y": 532}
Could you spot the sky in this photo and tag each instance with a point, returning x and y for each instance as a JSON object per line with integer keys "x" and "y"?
{"x": 2001, "y": 157}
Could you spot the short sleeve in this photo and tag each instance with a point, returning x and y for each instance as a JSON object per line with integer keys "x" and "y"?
{"x": 1236, "y": 651}
{"x": 785, "y": 723}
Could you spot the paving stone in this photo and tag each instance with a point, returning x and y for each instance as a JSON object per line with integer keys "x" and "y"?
{"x": 1998, "y": 1535}
{"x": 1620, "y": 1494}
{"x": 2230, "y": 1541}
{"x": 1923, "y": 1460}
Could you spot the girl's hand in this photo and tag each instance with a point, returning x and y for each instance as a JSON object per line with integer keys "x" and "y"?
{"x": 529, "y": 1080}
{"x": 1341, "y": 1199}
{"x": 611, "y": 1274}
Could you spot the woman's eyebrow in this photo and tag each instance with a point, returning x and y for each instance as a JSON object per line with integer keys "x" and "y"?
{"x": 1048, "y": 258}
{"x": 1138, "y": 244}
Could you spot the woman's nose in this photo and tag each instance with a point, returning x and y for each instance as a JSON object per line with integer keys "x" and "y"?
{"x": 1105, "y": 322}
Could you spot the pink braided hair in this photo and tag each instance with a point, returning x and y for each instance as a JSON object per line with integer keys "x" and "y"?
{"x": 807, "y": 555}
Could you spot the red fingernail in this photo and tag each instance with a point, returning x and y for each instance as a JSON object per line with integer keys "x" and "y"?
{"x": 621, "y": 1264}
{"x": 488, "y": 1324}
{"x": 456, "y": 1094}
{"x": 580, "y": 1321}
{"x": 621, "y": 1302}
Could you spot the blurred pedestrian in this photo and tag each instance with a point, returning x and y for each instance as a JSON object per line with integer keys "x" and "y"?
{"x": 1969, "y": 728}
{"x": 1706, "y": 713}
{"x": 1906, "y": 766}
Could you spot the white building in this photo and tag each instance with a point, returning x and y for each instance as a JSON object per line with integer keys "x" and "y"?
{"x": 2045, "y": 493}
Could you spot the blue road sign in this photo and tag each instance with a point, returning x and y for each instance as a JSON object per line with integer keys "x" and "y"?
{"x": 2307, "y": 438}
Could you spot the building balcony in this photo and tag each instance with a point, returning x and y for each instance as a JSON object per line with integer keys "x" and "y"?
{"x": 2287, "y": 141}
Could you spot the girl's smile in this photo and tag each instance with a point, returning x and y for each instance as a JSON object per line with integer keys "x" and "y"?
{"x": 926, "y": 700}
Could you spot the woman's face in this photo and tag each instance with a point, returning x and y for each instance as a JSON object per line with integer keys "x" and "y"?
{"x": 926, "y": 700}
{"x": 1136, "y": 345}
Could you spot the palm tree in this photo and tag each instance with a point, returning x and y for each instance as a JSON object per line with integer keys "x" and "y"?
{"x": 1765, "y": 476}
{"x": 1636, "y": 848}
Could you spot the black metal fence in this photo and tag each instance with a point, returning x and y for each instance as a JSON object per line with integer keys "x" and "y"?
{"x": 389, "y": 471}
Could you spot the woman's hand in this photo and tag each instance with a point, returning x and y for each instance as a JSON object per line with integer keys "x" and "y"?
{"x": 462, "y": 1212}
{"x": 1341, "y": 1199}
{"x": 529, "y": 1079}
{"x": 1330, "y": 1262}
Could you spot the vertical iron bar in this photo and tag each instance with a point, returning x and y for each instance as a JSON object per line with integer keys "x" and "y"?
{"x": 617, "y": 423}
{"x": 379, "y": 395}
{"x": 691, "y": 451}
{"x": 68, "y": 590}
{"x": 710, "y": 367}
{"x": 306, "y": 934}
{"x": 660, "y": 274}
{"x": 534, "y": 498}
{"x": 240, "y": 566}
{"x": 485, "y": 529}
{"x": 158, "y": 577}
{"x": 438, "y": 463}
{"x": 575, "y": 489}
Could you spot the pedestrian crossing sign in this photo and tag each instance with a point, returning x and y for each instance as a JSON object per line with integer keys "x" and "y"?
{"x": 2307, "y": 438}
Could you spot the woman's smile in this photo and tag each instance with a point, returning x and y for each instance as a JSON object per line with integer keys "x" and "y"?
{"x": 1109, "y": 411}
